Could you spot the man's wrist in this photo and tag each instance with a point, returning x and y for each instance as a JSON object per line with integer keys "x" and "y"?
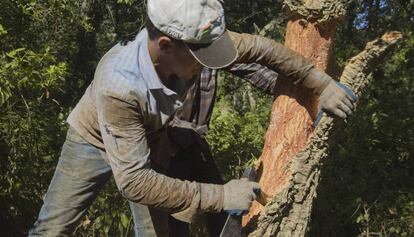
{"x": 212, "y": 197}
{"x": 317, "y": 81}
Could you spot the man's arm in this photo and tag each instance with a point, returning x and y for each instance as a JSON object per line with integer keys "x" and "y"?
{"x": 123, "y": 133}
{"x": 333, "y": 96}
{"x": 259, "y": 76}
{"x": 273, "y": 55}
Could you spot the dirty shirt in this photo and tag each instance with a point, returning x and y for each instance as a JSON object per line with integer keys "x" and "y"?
{"x": 126, "y": 104}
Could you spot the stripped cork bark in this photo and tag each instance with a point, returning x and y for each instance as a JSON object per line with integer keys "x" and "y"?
{"x": 288, "y": 212}
{"x": 295, "y": 107}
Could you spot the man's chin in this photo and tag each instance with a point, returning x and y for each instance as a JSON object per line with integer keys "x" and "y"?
{"x": 186, "y": 79}
{"x": 178, "y": 84}
{"x": 173, "y": 77}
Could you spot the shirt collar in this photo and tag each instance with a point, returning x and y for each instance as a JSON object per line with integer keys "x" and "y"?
{"x": 146, "y": 66}
{"x": 135, "y": 61}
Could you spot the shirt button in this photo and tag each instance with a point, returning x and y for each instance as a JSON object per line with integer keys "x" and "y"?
{"x": 178, "y": 104}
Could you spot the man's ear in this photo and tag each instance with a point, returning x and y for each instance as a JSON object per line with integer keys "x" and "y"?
{"x": 165, "y": 44}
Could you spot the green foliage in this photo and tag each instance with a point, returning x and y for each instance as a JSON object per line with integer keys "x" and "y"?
{"x": 2, "y": 30}
{"x": 367, "y": 187}
{"x": 236, "y": 134}
{"x": 31, "y": 129}
{"x": 25, "y": 72}
{"x": 129, "y": 2}
{"x": 108, "y": 216}
{"x": 49, "y": 50}
{"x": 252, "y": 16}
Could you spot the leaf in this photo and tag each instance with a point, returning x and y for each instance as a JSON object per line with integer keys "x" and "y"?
{"x": 124, "y": 220}
{"x": 13, "y": 53}
{"x": 106, "y": 229}
{"x": 2, "y": 30}
{"x": 129, "y": 2}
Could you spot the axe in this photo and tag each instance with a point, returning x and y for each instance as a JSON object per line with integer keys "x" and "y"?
{"x": 233, "y": 225}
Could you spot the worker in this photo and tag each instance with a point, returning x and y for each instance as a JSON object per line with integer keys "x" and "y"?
{"x": 121, "y": 124}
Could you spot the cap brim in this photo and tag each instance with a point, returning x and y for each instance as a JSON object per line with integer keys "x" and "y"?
{"x": 218, "y": 54}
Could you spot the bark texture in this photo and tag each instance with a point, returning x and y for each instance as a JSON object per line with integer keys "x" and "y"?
{"x": 320, "y": 11}
{"x": 288, "y": 212}
{"x": 294, "y": 108}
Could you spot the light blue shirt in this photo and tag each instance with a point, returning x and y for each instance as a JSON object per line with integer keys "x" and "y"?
{"x": 126, "y": 103}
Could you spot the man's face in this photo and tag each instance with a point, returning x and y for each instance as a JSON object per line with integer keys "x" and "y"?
{"x": 183, "y": 64}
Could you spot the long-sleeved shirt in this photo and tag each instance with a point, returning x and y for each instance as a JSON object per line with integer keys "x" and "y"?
{"x": 127, "y": 102}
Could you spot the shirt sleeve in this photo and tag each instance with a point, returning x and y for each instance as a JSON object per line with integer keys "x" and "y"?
{"x": 259, "y": 76}
{"x": 269, "y": 53}
{"x": 127, "y": 150}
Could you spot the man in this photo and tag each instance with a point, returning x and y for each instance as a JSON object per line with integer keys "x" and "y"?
{"x": 192, "y": 158}
{"x": 119, "y": 125}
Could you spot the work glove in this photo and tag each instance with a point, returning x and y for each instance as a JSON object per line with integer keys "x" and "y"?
{"x": 238, "y": 196}
{"x": 334, "y": 97}
{"x": 209, "y": 199}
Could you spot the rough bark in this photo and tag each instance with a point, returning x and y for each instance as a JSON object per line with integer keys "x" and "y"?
{"x": 288, "y": 212}
{"x": 320, "y": 11}
{"x": 310, "y": 32}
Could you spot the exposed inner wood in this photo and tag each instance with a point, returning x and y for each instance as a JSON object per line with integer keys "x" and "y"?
{"x": 292, "y": 112}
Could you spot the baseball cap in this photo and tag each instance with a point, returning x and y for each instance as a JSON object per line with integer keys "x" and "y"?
{"x": 199, "y": 24}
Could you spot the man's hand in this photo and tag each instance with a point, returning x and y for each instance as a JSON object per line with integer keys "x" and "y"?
{"x": 334, "y": 97}
{"x": 238, "y": 196}
{"x": 337, "y": 99}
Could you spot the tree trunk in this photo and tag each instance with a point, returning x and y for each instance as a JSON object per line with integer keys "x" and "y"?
{"x": 291, "y": 160}
{"x": 295, "y": 107}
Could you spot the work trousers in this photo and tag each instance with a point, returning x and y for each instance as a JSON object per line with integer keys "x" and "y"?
{"x": 79, "y": 176}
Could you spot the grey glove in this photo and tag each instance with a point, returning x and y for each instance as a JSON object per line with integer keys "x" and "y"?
{"x": 209, "y": 199}
{"x": 334, "y": 97}
{"x": 238, "y": 196}
{"x": 337, "y": 99}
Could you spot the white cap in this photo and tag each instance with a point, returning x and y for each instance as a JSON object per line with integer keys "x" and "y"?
{"x": 200, "y": 24}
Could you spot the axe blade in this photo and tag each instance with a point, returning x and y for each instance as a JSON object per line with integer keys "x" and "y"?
{"x": 233, "y": 225}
